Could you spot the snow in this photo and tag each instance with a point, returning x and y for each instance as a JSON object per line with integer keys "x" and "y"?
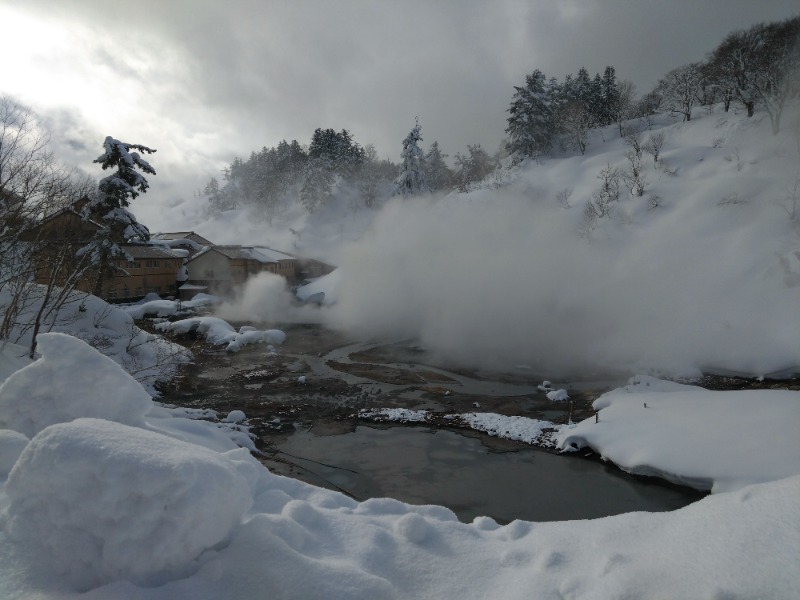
{"x": 521, "y": 429}
{"x": 235, "y": 416}
{"x": 99, "y": 501}
{"x": 218, "y": 332}
{"x": 151, "y": 359}
{"x": 325, "y": 285}
{"x": 558, "y": 395}
{"x": 108, "y": 496}
{"x": 168, "y": 308}
{"x": 718, "y": 441}
{"x": 34, "y": 397}
{"x": 96, "y": 509}
{"x": 12, "y": 358}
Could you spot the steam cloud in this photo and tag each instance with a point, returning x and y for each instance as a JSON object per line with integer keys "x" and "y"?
{"x": 495, "y": 281}
{"x": 498, "y": 286}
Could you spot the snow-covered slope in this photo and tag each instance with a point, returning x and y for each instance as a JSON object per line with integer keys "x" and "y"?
{"x": 149, "y": 358}
{"x": 701, "y": 272}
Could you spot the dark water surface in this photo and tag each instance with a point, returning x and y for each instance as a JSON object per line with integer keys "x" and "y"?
{"x": 420, "y": 465}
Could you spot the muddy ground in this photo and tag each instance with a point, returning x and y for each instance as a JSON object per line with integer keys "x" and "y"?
{"x": 312, "y": 381}
{"x": 320, "y": 379}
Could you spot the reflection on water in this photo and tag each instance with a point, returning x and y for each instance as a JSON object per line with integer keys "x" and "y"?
{"x": 420, "y": 465}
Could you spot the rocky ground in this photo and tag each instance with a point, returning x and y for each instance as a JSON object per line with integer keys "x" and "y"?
{"x": 313, "y": 381}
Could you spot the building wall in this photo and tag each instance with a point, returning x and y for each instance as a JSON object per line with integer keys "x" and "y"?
{"x": 147, "y": 275}
{"x": 212, "y": 269}
{"x": 222, "y": 274}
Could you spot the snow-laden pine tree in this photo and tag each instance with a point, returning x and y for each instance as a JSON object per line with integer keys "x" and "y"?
{"x": 531, "y": 124}
{"x": 411, "y": 180}
{"x": 108, "y": 207}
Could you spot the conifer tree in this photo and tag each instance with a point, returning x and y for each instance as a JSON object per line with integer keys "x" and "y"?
{"x": 109, "y": 207}
{"x": 411, "y": 180}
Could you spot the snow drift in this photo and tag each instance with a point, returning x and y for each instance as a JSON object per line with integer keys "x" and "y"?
{"x": 48, "y": 390}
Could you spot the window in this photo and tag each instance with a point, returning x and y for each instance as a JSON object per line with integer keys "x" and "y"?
{"x": 137, "y": 292}
{"x": 112, "y": 294}
{"x": 126, "y": 292}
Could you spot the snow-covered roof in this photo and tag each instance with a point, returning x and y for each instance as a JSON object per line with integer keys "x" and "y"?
{"x": 183, "y": 236}
{"x": 148, "y": 251}
{"x": 261, "y": 254}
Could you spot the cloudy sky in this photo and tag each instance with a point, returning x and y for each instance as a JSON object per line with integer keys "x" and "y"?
{"x": 203, "y": 81}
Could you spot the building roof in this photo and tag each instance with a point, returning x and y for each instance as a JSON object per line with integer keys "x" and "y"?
{"x": 183, "y": 235}
{"x": 261, "y": 254}
{"x": 138, "y": 251}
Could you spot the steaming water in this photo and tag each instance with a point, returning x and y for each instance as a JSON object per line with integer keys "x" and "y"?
{"x": 420, "y": 465}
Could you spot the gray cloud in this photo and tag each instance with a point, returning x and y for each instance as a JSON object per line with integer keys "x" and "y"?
{"x": 204, "y": 81}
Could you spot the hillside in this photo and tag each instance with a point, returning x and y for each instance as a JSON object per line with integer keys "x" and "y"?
{"x": 701, "y": 272}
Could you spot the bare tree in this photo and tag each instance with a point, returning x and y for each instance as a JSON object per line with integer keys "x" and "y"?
{"x": 32, "y": 186}
{"x": 680, "y": 89}
{"x": 575, "y": 120}
{"x": 654, "y": 144}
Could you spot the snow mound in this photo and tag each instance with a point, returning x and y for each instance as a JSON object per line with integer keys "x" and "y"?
{"x": 218, "y": 332}
{"x": 558, "y": 395}
{"x": 323, "y": 290}
{"x": 157, "y": 307}
{"x": 62, "y": 385}
{"x": 98, "y": 501}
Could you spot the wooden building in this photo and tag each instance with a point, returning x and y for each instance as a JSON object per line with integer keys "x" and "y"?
{"x": 58, "y": 237}
{"x": 153, "y": 269}
{"x": 221, "y": 269}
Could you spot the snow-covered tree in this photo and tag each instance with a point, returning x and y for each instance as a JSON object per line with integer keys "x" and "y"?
{"x": 317, "y": 184}
{"x": 108, "y": 208}
{"x": 531, "y": 124}
{"x": 437, "y": 174}
{"x": 473, "y": 167}
{"x": 680, "y": 88}
{"x": 411, "y": 180}
{"x": 778, "y": 76}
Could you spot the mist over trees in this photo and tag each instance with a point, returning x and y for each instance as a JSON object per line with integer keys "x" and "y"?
{"x": 273, "y": 180}
{"x": 750, "y": 68}
{"x": 759, "y": 66}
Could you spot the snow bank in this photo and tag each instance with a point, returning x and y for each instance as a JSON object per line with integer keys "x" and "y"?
{"x": 521, "y": 429}
{"x": 99, "y": 501}
{"x": 167, "y": 308}
{"x": 720, "y": 441}
{"x": 218, "y": 332}
{"x": 324, "y": 288}
{"x": 64, "y": 384}
{"x": 158, "y": 308}
{"x": 150, "y": 358}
